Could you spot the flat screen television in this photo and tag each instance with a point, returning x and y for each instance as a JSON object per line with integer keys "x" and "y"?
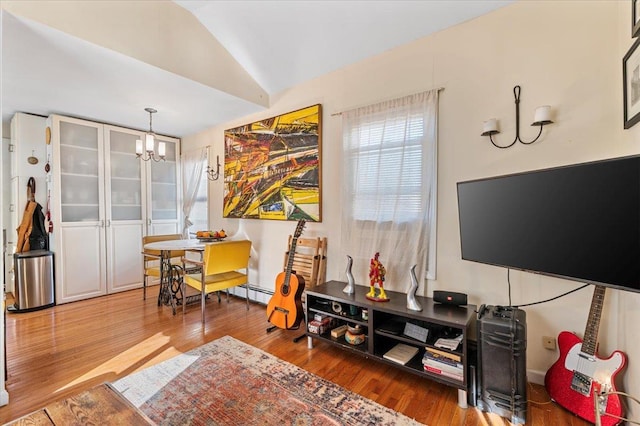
{"x": 580, "y": 222}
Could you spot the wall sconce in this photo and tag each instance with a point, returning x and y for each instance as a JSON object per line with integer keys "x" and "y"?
{"x": 149, "y": 143}
{"x": 211, "y": 175}
{"x": 542, "y": 117}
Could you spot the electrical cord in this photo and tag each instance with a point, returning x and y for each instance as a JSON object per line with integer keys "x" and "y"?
{"x": 541, "y": 301}
{"x": 509, "y": 284}
{"x": 537, "y": 402}
{"x": 597, "y": 395}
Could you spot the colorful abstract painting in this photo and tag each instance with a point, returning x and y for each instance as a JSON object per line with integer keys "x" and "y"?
{"x": 272, "y": 168}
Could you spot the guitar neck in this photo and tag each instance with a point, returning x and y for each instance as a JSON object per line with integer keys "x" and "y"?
{"x": 590, "y": 341}
{"x": 292, "y": 250}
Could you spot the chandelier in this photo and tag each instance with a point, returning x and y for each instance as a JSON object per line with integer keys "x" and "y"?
{"x": 148, "y": 153}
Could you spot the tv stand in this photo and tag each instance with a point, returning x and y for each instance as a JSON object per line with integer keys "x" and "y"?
{"x": 385, "y": 327}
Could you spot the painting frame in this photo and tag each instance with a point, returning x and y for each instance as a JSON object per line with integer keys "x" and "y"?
{"x": 635, "y": 18}
{"x": 631, "y": 82}
{"x": 273, "y": 167}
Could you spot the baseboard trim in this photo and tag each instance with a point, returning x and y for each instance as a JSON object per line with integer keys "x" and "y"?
{"x": 4, "y": 397}
{"x": 536, "y": 376}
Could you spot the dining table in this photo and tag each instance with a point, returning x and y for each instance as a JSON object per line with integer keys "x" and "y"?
{"x": 171, "y": 274}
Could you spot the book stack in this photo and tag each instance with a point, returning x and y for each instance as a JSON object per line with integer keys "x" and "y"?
{"x": 443, "y": 363}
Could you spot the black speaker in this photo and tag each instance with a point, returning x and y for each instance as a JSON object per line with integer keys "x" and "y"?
{"x": 449, "y": 297}
{"x": 502, "y": 362}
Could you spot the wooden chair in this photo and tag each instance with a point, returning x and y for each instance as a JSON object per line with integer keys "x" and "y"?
{"x": 309, "y": 260}
{"x": 220, "y": 270}
{"x": 151, "y": 264}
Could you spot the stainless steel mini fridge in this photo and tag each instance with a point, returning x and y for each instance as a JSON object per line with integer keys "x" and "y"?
{"x": 34, "y": 286}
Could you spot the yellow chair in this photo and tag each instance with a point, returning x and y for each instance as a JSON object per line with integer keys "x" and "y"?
{"x": 151, "y": 258}
{"x": 220, "y": 270}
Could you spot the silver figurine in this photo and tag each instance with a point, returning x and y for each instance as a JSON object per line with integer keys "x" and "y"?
{"x": 412, "y": 303}
{"x": 351, "y": 284}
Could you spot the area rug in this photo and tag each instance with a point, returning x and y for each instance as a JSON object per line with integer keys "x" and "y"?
{"x": 227, "y": 382}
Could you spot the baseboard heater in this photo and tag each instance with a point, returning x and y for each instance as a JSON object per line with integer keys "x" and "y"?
{"x": 258, "y": 290}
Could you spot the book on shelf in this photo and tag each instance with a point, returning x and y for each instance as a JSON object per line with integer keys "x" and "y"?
{"x": 442, "y": 373}
{"x": 392, "y": 327}
{"x": 429, "y": 356}
{"x": 453, "y": 356}
{"x": 451, "y": 344}
{"x": 401, "y": 353}
{"x": 444, "y": 367}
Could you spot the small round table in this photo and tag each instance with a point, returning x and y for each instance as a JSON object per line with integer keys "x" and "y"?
{"x": 171, "y": 273}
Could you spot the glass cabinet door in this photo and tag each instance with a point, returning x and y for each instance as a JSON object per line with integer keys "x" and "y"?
{"x": 164, "y": 184}
{"x": 80, "y": 185}
{"x": 125, "y": 177}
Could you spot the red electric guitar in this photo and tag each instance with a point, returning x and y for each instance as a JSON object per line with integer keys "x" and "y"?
{"x": 579, "y": 373}
{"x": 285, "y": 306}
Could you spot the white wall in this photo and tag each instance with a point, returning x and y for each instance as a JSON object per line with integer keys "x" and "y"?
{"x": 567, "y": 54}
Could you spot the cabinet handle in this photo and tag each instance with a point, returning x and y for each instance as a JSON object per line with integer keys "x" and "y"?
{"x": 102, "y": 224}
{"x": 108, "y": 223}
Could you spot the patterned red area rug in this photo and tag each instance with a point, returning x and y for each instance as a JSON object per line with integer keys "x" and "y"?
{"x": 227, "y": 382}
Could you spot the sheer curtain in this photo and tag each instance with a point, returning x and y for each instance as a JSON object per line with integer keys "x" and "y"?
{"x": 389, "y": 191}
{"x": 193, "y": 165}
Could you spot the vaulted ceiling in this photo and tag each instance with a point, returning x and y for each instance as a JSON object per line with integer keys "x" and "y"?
{"x": 199, "y": 63}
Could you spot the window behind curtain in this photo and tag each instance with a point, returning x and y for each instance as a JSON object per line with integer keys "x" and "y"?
{"x": 200, "y": 211}
{"x": 389, "y": 191}
{"x": 389, "y": 169}
{"x": 195, "y": 191}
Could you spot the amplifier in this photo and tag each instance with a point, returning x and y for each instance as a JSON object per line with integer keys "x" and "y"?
{"x": 502, "y": 363}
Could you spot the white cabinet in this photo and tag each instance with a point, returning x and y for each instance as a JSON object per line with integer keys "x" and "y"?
{"x": 101, "y": 208}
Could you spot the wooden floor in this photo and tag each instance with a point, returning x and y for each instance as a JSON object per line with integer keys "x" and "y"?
{"x": 61, "y": 351}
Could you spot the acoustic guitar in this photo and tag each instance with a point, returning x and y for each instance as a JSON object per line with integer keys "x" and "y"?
{"x": 285, "y": 307}
{"x": 580, "y": 380}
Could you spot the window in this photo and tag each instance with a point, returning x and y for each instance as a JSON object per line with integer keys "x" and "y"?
{"x": 389, "y": 191}
{"x": 389, "y": 169}
{"x": 199, "y": 217}
{"x": 195, "y": 189}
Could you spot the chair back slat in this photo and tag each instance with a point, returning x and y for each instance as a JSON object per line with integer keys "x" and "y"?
{"x": 309, "y": 259}
{"x": 163, "y": 237}
{"x": 226, "y": 256}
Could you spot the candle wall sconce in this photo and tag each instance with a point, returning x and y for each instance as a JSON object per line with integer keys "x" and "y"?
{"x": 211, "y": 174}
{"x": 542, "y": 117}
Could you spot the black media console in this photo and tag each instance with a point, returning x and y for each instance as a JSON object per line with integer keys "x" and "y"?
{"x": 385, "y": 326}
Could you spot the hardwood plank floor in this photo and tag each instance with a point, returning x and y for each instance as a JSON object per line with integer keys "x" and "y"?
{"x": 61, "y": 351}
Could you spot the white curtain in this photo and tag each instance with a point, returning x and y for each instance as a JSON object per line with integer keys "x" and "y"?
{"x": 193, "y": 165}
{"x": 389, "y": 191}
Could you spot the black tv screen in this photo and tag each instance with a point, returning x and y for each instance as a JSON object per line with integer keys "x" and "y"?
{"x": 580, "y": 222}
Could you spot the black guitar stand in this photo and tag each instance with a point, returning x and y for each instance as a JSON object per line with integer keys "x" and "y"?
{"x": 295, "y": 339}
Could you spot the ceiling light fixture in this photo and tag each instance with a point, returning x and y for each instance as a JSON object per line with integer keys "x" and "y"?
{"x": 542, "y": 117}
{"x": 149, "y": 143}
